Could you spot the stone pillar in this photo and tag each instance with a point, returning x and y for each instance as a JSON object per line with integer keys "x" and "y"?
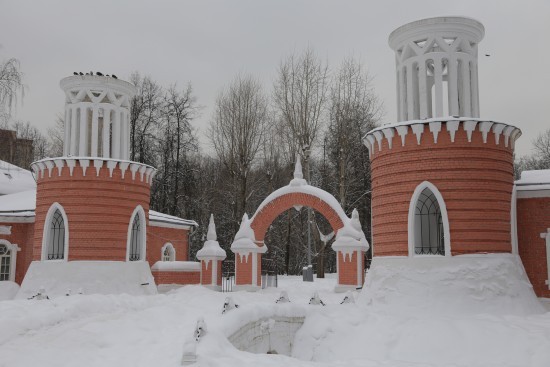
{"x": 106, "y": 153}
{"x": 115, "y": 148}
{"x": 211, "y": 256}
{"x": 82, "y": 146}
{"x": 95, "y": 131}
{"x": 74, "y": 129}
{"x": 350, "y": 246}
{"x": 248, "y": 258}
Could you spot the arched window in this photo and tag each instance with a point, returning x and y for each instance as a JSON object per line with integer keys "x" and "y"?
{"x": 168, "y": 252}
{"x": 429, "y": 233}
{"x": 136, "y": 236}
{"x": 5, "y": 262}
{"x": 55, "y": 237}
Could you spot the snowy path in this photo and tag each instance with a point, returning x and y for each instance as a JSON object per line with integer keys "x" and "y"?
{"x": 151, "y": 331}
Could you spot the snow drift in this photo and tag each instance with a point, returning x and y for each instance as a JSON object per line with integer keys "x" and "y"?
{"x": 468, "y": 284}
{"x": 88, "y": 277}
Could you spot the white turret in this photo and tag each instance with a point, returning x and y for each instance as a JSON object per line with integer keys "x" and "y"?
{"x": 97, "y": 116}
{"x": 436, "y": 62}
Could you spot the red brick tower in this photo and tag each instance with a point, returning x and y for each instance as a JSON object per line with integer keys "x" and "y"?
{"x": 442, "y": 178}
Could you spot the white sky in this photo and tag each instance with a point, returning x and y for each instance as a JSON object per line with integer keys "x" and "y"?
{"x": 208, "y": 42}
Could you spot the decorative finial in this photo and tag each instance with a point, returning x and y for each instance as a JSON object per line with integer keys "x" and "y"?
{"x": 298, "y": 168}
{"x": 211, "y": 235}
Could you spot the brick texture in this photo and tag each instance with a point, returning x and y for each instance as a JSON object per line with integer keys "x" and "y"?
{"x": 474, "y": 178}
{"x": 22, "y": 235}
{"x": 98, "y": 209}
{"x": 533, "y": 218}
{"x": 157, "y": 237}
{"x": 177, "y": 277}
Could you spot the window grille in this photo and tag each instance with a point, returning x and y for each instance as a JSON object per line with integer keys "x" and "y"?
{"x": 429, "y": 225}
{"x": 168, "y": 253}
{"x": 56, "y": 248}
{"x": 135, "y": 240}
{"x": 5, "y": 262}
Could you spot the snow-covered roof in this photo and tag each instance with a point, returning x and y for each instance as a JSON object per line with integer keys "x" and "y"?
{"x": 19, "y": 205}
{"x": 534, "y": 180}
{"x": 15, "y": 179}
{"x": 160, "y": 218}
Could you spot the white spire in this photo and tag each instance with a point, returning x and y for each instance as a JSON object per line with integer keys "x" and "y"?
{"x": 298, "y": 173}
{"x": 211, "y": 235}
{"x": 298, "y": 179}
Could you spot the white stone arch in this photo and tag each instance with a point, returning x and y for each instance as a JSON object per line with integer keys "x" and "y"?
{"x": 169, "y": 246}
{"x": 444, "y": 217}
{"x": 12, "y": 248}
{"x": 46, "y": 234}
{"x": 142, "y": 236}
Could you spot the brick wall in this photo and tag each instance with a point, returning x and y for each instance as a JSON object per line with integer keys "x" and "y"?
{"x": 157, "y": 237}
{"x": 22, "y": 235}
{"x": 177, "y": 277}
{"x": 533, "y": 218}
{"x": 98, "y": 208}
{"x": 474, "y": 178}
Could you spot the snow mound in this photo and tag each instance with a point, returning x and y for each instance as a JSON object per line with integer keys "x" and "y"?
{"x": 8, "y": 290}
{"x": 88, "y": 277}
{"x": 15, "y": 179}
{"x": 468, "y": 284}
{"x": 184, "y": 266}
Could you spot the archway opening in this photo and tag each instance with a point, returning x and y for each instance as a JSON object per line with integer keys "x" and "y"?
{"x": 428, "y": 225}
{"x": 56, "y": 237}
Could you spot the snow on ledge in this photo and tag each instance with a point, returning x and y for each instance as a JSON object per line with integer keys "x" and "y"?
{"x": 157, "y": 219}
{"x": 180, "y": 266}
{"x": 91, "y": 277}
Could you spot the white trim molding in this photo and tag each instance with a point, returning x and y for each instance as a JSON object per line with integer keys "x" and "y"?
{"x": 546, "y": 236}
{"x": 444, "y": 217}
{"x": 12, "y": 248}
{"x": 172, "y": 254}
{"x": 143, "y": 223}
{"x": 46, "y": 232}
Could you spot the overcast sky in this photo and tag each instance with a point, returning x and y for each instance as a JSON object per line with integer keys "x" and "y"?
{"x": 208, "y": 42}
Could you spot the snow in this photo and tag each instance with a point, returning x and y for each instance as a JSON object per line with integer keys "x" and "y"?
{"x": 191, "y": 266}
{"x": 434, "y": 119}
{"x": 8, "y": 290}
{"x": 21, "y": 204}
{"x": 161, "y": 217}
{"x": 395, "y": 321}
{"x": 534, "y": 180}
{"x": 88, "y": 277}
{"x": 15, "y": 179}
{"x": 467, "y": 284}
{"x": 211, "y": 248}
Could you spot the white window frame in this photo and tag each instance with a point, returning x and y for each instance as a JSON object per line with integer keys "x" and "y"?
{"x": 143, "y": 224}
{"x": 173, "y": 252}
{"x": 12, "y": 248}
{"x": 444, "y": 218}
{"x": 46, "y": 232}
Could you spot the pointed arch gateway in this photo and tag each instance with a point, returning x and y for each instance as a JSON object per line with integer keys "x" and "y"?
{"x": 350, "y": 242}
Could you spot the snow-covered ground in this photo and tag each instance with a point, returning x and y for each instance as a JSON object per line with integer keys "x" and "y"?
{"x": 397, "y": 324}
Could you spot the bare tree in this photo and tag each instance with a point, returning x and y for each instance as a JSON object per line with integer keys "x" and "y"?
{"x": 145, "y": 115}
{"x": 300, "y": 94}
{"x": 11, "y": 84}
{"x": 56, "y": 137}
{"x": 180, "y": 108}
{"x": 237, "y": 130}
{"x": 539, "y": 159}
